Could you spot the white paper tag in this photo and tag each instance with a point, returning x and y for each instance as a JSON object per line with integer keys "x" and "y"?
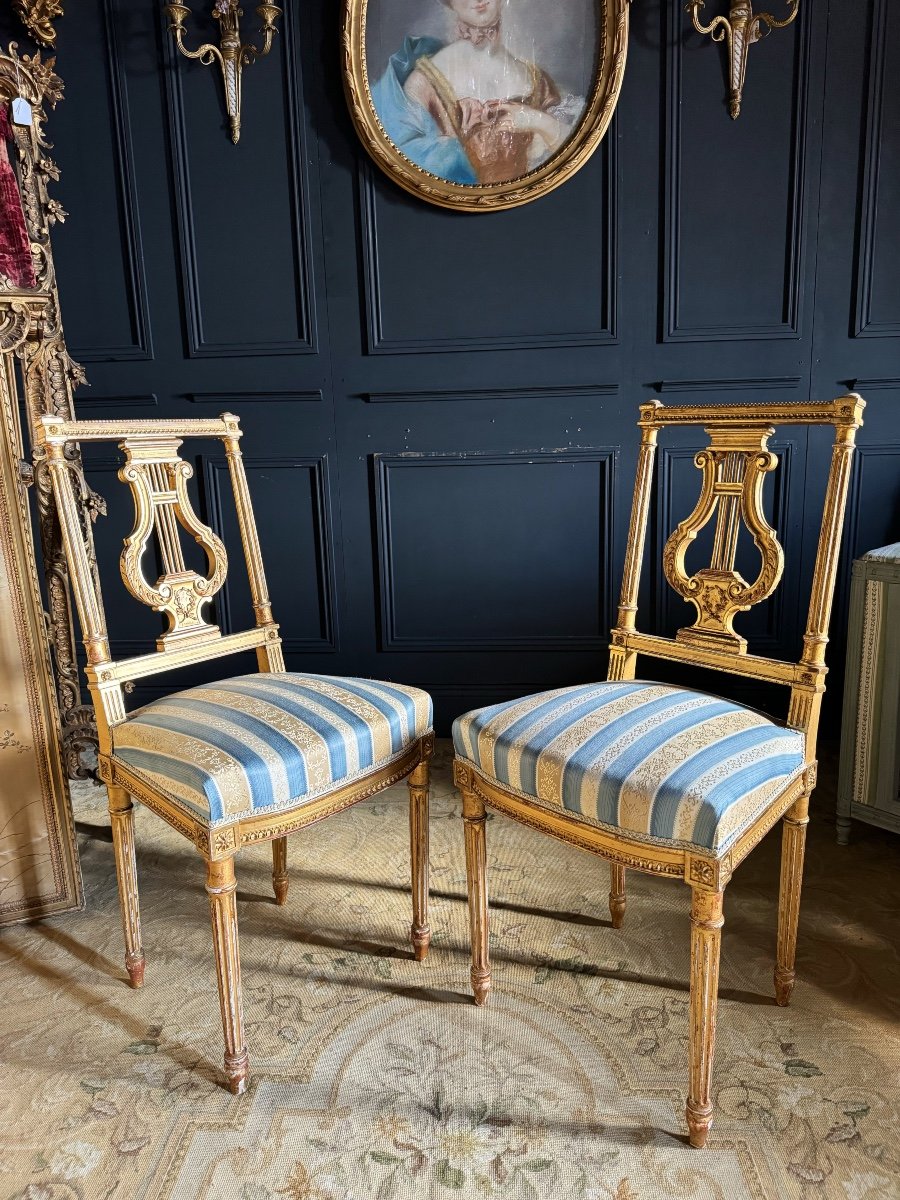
{"x": 21, "y": 111}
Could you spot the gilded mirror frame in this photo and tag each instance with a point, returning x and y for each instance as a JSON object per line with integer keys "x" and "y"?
{"x": 612, "y": 24}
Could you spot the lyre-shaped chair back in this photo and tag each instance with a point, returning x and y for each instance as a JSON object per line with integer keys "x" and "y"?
{"x": 157, "y": 477}
{"x": 734, "y": 467}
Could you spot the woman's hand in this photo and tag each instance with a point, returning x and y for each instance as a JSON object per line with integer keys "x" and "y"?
{"x": 522, "y": 118}
{"x": 472, "y": 112}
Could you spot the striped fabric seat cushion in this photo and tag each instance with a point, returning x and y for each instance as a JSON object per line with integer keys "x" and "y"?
{"x": 267, "y": 742}
{"x": 661, "y": 763}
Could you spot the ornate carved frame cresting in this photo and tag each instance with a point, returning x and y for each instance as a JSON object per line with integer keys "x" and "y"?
{"x": 612, "y": 23}
{"x": 38, "y": 17}
{"x": 31, "y": 329}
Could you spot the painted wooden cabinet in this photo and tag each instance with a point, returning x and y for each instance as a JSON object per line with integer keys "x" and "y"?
{"x": 869, "y": 779}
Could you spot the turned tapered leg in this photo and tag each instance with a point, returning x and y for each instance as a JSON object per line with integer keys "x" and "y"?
{"x": 121, "y": 815}
{"x": 476, "y": 871}
{"x": 280, "y": 878}
{"x": 706, "y": 937}
{"x": 420, "y": 934}
{"x": 220, "y": 887}
{"x": 793, "y": 842}
{"x": 617, "y": 895}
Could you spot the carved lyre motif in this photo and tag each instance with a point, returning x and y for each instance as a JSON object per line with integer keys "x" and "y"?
{"x": 734, "y": 467}
{"x": 158, "y": 479}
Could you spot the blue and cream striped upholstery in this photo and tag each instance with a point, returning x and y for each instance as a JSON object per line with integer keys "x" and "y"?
{"x": 660, "y": 763}
{"x": 267, "y": 742}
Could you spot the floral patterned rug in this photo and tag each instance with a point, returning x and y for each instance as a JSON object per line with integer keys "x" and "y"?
{"x": 375, "y": 1078}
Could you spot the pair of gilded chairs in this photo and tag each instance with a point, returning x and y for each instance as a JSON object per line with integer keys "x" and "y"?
{"x": 665, "y": 779}
{"x": 648, "y": 776}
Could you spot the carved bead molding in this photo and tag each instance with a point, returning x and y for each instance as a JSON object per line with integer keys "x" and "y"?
{"x": 31, "y": 327}
{"x": 734, "y": 468}
{"x": 38, "y": 17}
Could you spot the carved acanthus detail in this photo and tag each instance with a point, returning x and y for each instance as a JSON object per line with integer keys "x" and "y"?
{"x": 38, "y": 16}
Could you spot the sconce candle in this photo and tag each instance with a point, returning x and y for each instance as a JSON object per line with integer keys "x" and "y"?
{"x": 231, "y": 54}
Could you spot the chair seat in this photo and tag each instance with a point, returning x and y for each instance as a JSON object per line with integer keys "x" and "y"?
{"x": 266, "y": 742}
{"x": 660, "y": 763}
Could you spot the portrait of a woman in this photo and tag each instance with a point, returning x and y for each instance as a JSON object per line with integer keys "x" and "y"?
{"x": 469, "y": 108}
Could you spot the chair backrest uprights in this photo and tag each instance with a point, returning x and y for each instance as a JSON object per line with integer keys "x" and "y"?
{"x": 734, "y": 467}
{"x": 157, "y": 477}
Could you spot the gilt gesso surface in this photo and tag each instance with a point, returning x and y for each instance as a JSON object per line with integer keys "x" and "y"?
{"x": 663, "y": 779}
{"x": 256, "y": 757}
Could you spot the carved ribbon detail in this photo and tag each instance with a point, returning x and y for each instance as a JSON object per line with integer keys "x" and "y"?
{"x": 734, "y": 468}
{"x": 158, "y": 481}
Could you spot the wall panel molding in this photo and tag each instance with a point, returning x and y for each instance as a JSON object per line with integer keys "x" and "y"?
{"x": 771, "y": 383}
{"x": 218, "y": 485}
{"x": 486, "y": 394}
{"x": 296, "y": 138}
{"x": 392, "y": 638}
{"x": 865, "y": 323}
{"x": 312, "y": 395}
{"x": 141, "y": 346}
{"x": 863, "y": 454}
{"x": 379, "y": 343}
{"x": 673, "y": 328}
{"x": 883, "y": 384}
{"x": 854, "y": 499}
{"x": 109, "y": 404}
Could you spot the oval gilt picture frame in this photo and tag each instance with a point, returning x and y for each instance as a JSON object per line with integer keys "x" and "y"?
{"x": 481, "y": 105}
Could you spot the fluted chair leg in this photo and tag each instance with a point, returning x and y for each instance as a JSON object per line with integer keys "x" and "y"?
{"x": 420, "y": 933}
{"x": 617, "y": 895}
{"x": 221, "y": 887}
{"x": 280, "y": 877}
{"x": 121, "y": 816}
{"x": 793, "y": 843}
{"x": 706, "y": 937}
{"x": 476, "y": 871}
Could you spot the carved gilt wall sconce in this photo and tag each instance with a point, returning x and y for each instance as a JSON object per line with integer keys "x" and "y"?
{"x": 37, "y": 16}
{"x": 231, "y": 54}
{"x": 741, "y": 28}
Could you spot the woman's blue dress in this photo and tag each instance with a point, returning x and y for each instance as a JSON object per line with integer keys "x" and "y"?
{"x": 409, "y": 126}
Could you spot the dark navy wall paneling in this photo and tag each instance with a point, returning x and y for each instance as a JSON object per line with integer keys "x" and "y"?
{"x": 440, "y": 408}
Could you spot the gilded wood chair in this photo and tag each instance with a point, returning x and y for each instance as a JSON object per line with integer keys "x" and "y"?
{"x": 665, "y": 779}
{"x": 249, "y": 759}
